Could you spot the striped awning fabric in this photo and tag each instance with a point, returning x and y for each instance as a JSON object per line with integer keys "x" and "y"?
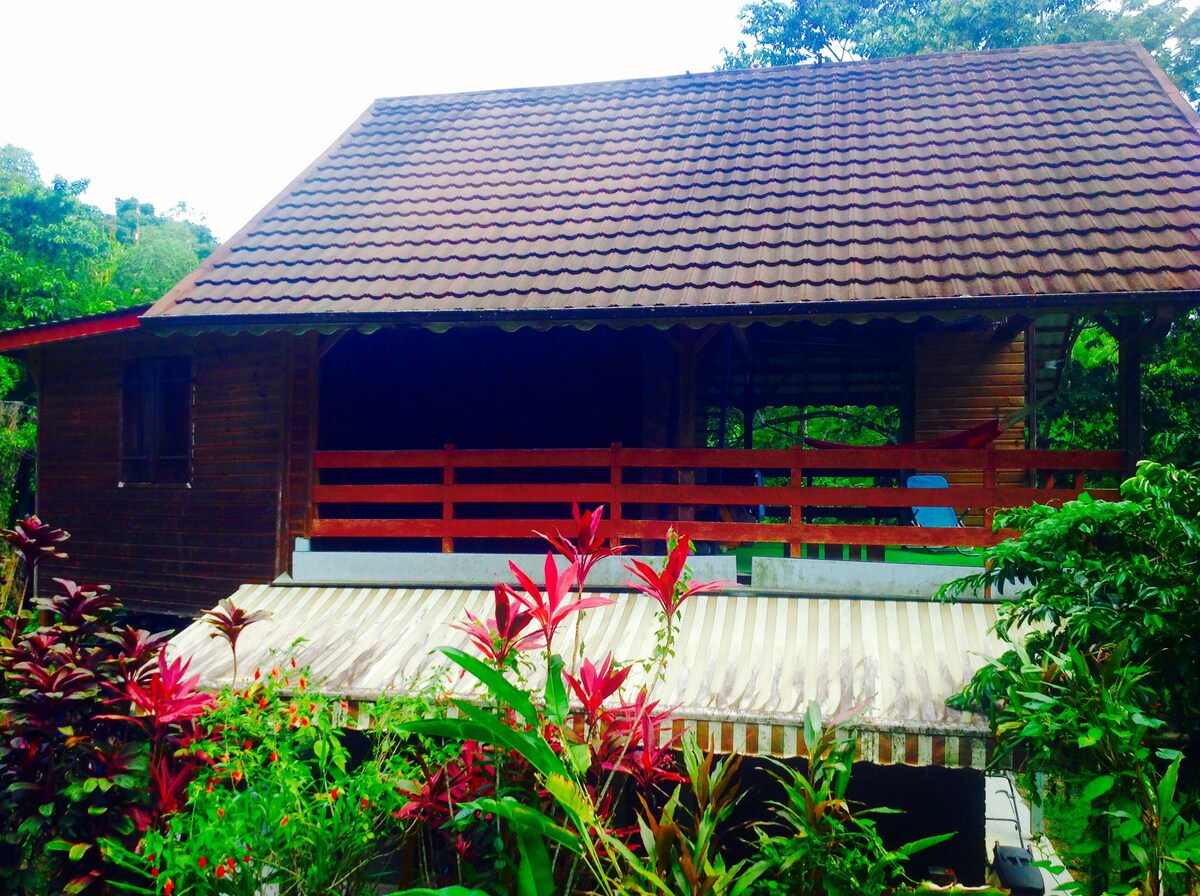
{"x": 744, "y": 669}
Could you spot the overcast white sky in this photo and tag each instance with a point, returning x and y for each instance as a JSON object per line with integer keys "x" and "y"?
{"x": 220, "y": 104}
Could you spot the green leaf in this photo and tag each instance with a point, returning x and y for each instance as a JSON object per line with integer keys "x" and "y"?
{"x": 535, "y": 876}
{"x": 1097, "y": 787}
{"x": 525, "y": 818}
{"x": 482, "y": 725}
{"x": 557, "y": 706}
{"x": 501, "y": 687}
{"x": 444, "y": 891}
{"x": 77, "y": 852}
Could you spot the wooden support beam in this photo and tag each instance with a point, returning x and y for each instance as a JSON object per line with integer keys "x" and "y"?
{"x": 1129, "y": 391}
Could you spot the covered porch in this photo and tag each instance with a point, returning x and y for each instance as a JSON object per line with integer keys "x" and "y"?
{"x": 472, "y": 439}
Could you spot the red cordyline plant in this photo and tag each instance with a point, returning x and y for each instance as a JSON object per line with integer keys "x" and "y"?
{"x": 585, "y": 549}
{"x": 550, "y": 608}
{"x": 576, "y": 765}
{"x": 71, "y": 774}
{"x": 503, "y": 636}
{"x": 230, "y": 621}
{"x": 669, "y": 588}
{"x": 34, "y": 541}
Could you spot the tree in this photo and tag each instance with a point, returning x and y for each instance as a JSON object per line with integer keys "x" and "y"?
{"x": 62, "y": 258}
{"x": 794, "y": 32}
{"x": 1083, "y": 415}
{"x": 155, "y": 251}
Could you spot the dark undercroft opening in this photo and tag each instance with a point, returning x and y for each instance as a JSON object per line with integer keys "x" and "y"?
{"x": 478, "y": 388}
{"x": 481, "y": 388}
{"x": 933, "y": 801}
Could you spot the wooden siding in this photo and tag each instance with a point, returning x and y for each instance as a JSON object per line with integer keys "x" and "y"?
{"x": 964, "y": 379}
{"x": 165, "y": 547}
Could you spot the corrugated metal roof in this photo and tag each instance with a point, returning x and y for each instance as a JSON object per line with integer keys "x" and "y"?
{"x": 744, "y": 670}
{"x": 1069, "y": 171}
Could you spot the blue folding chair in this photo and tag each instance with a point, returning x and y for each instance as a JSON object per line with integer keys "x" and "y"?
{"x": 934, "y": 517}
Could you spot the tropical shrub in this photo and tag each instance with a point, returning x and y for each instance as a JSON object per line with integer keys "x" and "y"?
{"x": 826, "y": 847}
{"x": 288, "y": 795}
{"x": 1100, "y": 687}
{"x": 71, "y": 770}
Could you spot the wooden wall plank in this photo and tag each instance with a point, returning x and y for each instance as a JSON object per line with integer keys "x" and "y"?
{"x": 170, "y": 548}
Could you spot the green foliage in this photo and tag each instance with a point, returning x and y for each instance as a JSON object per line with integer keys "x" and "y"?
{"x": 793, "y": 32}
{"x": 282, "y": 799}
{"x": 62, "y": 258}
{"x": 1100, "y": 683}
{"x": 1095, "y": 573}
{"x": 826, "y": 848}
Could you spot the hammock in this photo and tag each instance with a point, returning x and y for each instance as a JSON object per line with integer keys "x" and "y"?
{"x": 976, "y": 437}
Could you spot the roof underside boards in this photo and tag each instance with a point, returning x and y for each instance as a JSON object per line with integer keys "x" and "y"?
{"x": 1069, "y": 171}
{"x": 744, "y": 668}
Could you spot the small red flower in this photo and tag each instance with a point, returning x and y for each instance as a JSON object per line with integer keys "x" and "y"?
{"x": 293, "y": 662}
{"x": 230, "y": 863}
{"x": 203, "y": 863}
{"x": 220, "y": 813}
{"x": 333, "y": 794}
{"x": 247, "y": 745}
{"x": 220, "y": 871}
{"x": 303, "y": 683}
{"x": 257, "y": 674}
{"x": 283, "y": 822}
{"x": 304, "y": 722}
{"x": 246, "y": 858}
{"x": 154, "y": 872}
{"x": 262, "y": 702}
{"x": 274, "y": 756}
{"x": 168, "y": 887}
{"x": 362, "y": 807}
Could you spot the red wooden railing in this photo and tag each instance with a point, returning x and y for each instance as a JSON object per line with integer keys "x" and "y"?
{"x": 454, "y": 494}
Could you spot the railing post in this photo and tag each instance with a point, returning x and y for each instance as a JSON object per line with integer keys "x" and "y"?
{"x": 615, "y": 480}
{"x": 989, "y": 483}
{"x": 448, "y": 502}
{"x": 796, "y": 511}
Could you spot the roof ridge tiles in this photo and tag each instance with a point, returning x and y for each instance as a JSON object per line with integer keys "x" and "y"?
{"x": 1139, "y": 83}
{"x": 932, "y": 126}
{"x": 1007, "y": 252}
{"x": 692, "y": 160}
{"x": 826, "y": 72}
{"x": 473, "y": 222}
{"x": 796, "y": 193}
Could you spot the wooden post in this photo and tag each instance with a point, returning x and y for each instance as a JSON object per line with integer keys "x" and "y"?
{"x": 1129, "y": 391}
{"x": 448, "y": 502}
{"x": 989, "y": 483}
{"x": 796, "y": 511}
{"x": 615, "y": 479}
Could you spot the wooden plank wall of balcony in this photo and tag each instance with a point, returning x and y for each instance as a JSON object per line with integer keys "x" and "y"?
{"x": 452, "y": 495}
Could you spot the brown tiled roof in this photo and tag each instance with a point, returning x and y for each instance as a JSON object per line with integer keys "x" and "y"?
{"x": 1064, "y": 175}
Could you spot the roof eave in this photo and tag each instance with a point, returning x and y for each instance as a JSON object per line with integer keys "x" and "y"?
{"x": 78, "y": 328}
{"x": 664, "y": 316}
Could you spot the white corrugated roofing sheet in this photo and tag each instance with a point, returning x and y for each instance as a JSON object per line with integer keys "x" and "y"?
{"x": 744, "y": 669}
